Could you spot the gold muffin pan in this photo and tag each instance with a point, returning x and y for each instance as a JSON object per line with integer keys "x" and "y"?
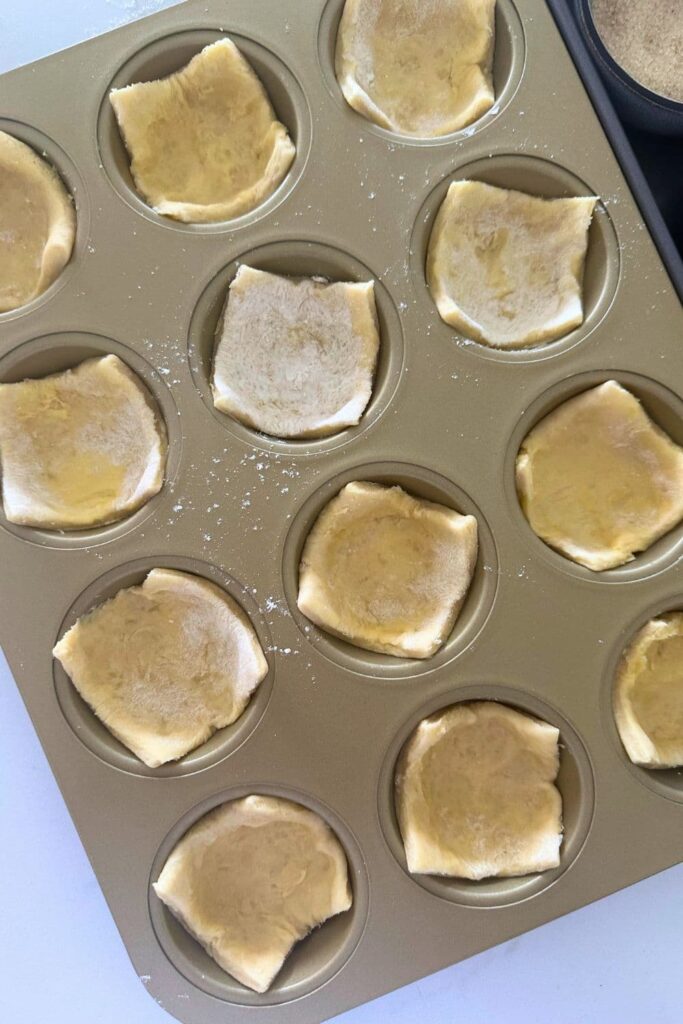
{"x": 446, "y": 418}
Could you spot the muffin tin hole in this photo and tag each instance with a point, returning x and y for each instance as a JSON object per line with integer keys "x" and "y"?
{"x": 312, "y": 962}
{"x": 422, "y": 483}
{"x": 170, "y": 53}
{"x": 549, "y": 181}
{"x": 575, "y": 782}
{"x": 296, "y": 259}
{"x": 54, "y": 353}
{"x": 666, "y": 782}
{"x": 88, "y": 728}
{"x": 66, "y": 169}
{"x": 664, "y": 408}
{"x": 508, "y": 66}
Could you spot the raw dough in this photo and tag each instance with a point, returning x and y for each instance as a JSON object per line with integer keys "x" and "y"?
{"x": 296, "y": 358}
{"x": 164, "y": 664}
{"x": 506, "y": 268}
{"x": 386, "y": 571}
{"x": 648, "y": 696}
{"x": 80, "y": 448}
{"x": 251, "y": 879}
{"x": 475, "y": 793}
{"x": 417, "y": 67}
{"x": 204, "y": 143}
{"x": 37, "y": 224}
{"x": 598, "y": 480}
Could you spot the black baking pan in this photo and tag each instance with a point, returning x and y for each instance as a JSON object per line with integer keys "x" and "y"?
{"x": 659, "y": 164}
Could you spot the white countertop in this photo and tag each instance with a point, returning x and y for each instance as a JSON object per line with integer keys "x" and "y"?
{"x": 63, "y": 962}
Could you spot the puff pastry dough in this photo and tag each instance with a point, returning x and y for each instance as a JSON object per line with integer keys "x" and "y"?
{"x": 165, "y": 664}
{"x": 296, "y": 358}
{"x": 417, "y": 67}
{"x": 506, "y": 268}
{"x": 80, "y": 448}
{"x": 251, "y": 879}
{"x": 37, "y": 224}
{"x": 204, "y": 143}
{"x": 386, "y": 571}
{"x": 598, "y": 480}
{"x": 476, "y": 794}
{"x": 648, "y": 696}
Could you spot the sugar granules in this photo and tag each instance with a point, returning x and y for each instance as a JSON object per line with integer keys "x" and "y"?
{"x": 646, "y": 38}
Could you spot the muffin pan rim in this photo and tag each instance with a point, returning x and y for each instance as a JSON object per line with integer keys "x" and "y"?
{"x": 98, "y": 346}
{"x": 391, "y": 340}
{"x": 644, "y": 566}
{"x": 94, "y": 735}
{"x": 70, "y": 176}
{"x": 381, "y": 668}
{"x": 506, "y": 12}
{"x": 658, "y": 780}
{"x": 164, "y": 924}
{"x": 601, "y": 224}
{"x": 523, "y": 887}
{"x": 251, "y": 49}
